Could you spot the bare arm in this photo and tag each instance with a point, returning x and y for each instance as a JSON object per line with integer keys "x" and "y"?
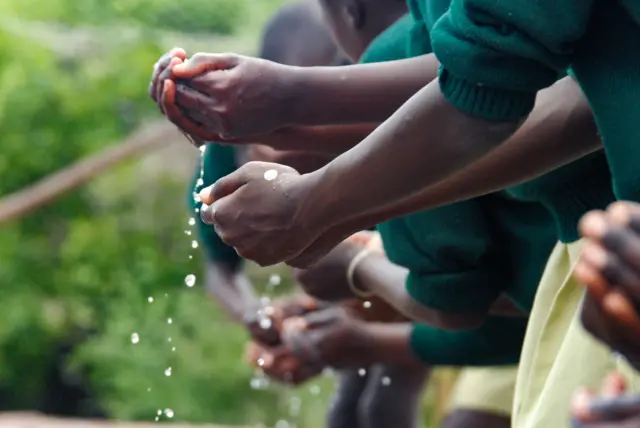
{"x": 231, "y": 288}
{"x": 560, "y": 129}
{"x": 322, "y": 139}
{"x": 358, "y": 93}
{"x": 387, "y": 280}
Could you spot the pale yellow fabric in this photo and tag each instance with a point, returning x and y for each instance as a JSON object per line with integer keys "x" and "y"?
{"x": 487, "y": 389}
{"x": 558, "y": 355}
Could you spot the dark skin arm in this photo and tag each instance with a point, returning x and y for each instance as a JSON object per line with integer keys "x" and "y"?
{"x": 428, "y": 140}
{"x": 209, "y": 100}
{"x": 560, "y": 130}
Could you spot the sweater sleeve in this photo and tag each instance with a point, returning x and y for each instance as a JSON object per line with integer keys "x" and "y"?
{"x": 496, "y": 54}
{"x": 218, "y": 162}
{"x": 497, "y": 342}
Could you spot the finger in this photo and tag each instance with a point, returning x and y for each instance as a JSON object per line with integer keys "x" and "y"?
{"x": 593, "y": 225}
{"x": 625, "y": 243}
{"x": 202, "y": 62}
{"x": 614, "y": 409}
{"x": 229, "y": 184}
{"x": 613, "y": 386}
{"x": 194, "y": 132}
{"x": 191, "y": 99}
{"x": 620, "y": 311}
{"x": 162, "y": 78}
{"x": 161, "y": 65}
{"x": 609, "y": 265}
{"x": 591, "y": 278}
{"x": 580, "y": 405}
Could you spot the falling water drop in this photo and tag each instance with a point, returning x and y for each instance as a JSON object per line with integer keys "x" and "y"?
{"x": 274, "y": 280}
{"x": 386, "y": 381}
{"x": 190, "y": 280}
{"x": 135, "y": 338}
{"x": 366, "y": 304}
{"x": 314, "y": 390}
{"x": 168, "y": 413}
{"x": 150, "y": 299}
{"x": 169, "y": 321}
{"x": 192, "y": 221}
{"x": 194, "y": 244}
{"x": 167, "y": 372}
{"x": 265, "y": 323}
{"x": 362, "y": 372}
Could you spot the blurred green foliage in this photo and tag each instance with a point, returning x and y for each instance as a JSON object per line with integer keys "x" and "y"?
{"x": 80, "y": 271}
{"x": 77, "y": 275}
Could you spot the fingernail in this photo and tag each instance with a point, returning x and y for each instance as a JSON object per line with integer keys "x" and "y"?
{"x": 596, "y": 255}
{"x": 205, "y": 194}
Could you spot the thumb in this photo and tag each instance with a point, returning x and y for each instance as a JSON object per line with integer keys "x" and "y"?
{"x": 202, "y": 62}
{"x": 224, "y": 187}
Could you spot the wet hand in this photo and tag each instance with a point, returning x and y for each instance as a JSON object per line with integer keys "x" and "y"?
{"x": 234, "y": 96}
{"x": 261, "y": 211}
{"x": 609, "y": 267}
{"x": 610, "y": 409}
{"x": 330, "y": 337}
{"x": 160, "y": 73}
{"x": 280, "y": 364}
{"x": 264, "y": 322}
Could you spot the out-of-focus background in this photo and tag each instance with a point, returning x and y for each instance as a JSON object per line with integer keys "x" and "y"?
{"x": 93, "y": 250}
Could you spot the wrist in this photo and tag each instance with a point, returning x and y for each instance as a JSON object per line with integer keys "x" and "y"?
{"x": 316, "y": 210}
{"x": 299, "y": 93}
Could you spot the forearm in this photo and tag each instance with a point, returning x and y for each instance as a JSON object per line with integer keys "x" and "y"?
{"x": 425, "y": 141}
{"x": 389, "y": 343}
{"x": 560, "y": 129}
{"x": 231, "y": 289}
{"x": 387, "y": 281}
{"x": 323, "y": 139}
{"x": 358, "y": 93}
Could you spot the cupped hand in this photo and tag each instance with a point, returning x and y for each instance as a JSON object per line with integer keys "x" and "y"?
{"x": 332, "y": 336}
{"x": 260, "y": 210}
{"x": 234, "y": 96}
{"x": 611, "y": 408}
{"x": 281, "y": 364}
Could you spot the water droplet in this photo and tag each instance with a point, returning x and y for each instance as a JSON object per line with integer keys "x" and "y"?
{"x": 190, "y": 280}
{"x": 260, "y": 362}
{"x": 149, "y": 389}
{"x": 192, "y": 221}
{"x": 386, "y": 381}
{"x": 169, "y": 339}
{"x": 173, "y": 349}
{"x": 194, "y": 244}
{"x": 168, "y": 413}
{"x": 187, "y": 232}
{"x": 157, "y": 418}
{"x": 270, "y": 174}
{"x": 150, "y": 299}
{"x": 190, "y": 257}
{"x": 167, "y": 372}
{"x": 135, "y": 339}
{"x": 159, "y": 412}
{"x": 362, "y": 372}
{"x": 265, "y": 301}
{"x": 200, "y": 182}
{"x": 202, "y": 148}
{"x": 294, "y": 406}
{"x": 169, "y": 321}
{"x": 274, "y": 280}
{"x": 366, "y": 304}
{"x": 314, "y": 390}
{"x": 265, "y": 323}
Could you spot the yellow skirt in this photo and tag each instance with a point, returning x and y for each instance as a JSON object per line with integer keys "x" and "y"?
{"x": 558, "y": 355}
{"x": 488, "y": 389}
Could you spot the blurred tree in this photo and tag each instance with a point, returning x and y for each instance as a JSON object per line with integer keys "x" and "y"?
{"x": 76, "y": 275}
